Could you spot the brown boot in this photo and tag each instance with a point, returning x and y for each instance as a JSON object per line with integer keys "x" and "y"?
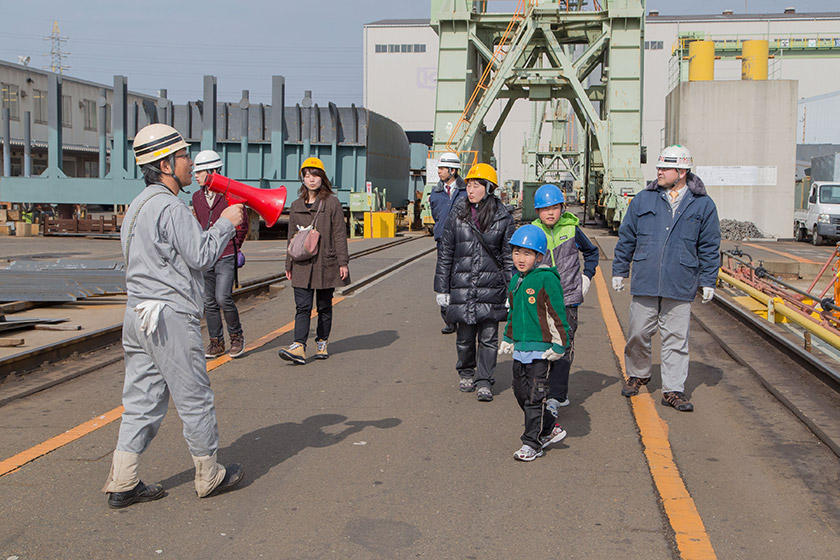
{"x": 678, "y": 400}
{"x": 216, "y": 348}
{"x": 237, "y": 345}
{"x": 631, "y": 388}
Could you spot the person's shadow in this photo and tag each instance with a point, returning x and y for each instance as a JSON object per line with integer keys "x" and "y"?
{"x": 262, "y": 449}
{"x": 372, "y": 341}
{"x": 699, "y": 373}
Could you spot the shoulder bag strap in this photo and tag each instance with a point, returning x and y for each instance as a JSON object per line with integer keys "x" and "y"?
{"x": 320, "y": 207}
{"x": 481, "y": 240}
{"x": 133, "y": 221}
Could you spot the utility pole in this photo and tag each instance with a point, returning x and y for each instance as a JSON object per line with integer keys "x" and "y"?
{"x": 56, "y": 54}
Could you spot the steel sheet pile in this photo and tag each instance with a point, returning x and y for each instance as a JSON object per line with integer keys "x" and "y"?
{"x": 739, "y": 231}
{"x": 62, "y": 280}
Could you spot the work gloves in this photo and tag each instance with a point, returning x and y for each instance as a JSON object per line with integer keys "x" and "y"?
{"x": 505, "y": 348}
{"x": 708, "y": 294}
{"x": 442, "y": 299}
{"x": 618, "y": 283}
{"x": 585, "y": 281}
{"x": 551, "y": 355}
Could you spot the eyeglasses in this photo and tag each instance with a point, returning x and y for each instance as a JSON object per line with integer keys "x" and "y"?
{"x": 183, "y": 156}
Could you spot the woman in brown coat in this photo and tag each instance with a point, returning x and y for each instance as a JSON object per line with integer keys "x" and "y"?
{"x": 318, "y": 276}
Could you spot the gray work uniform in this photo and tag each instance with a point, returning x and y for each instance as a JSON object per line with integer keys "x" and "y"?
{"x": 167, "y": 255}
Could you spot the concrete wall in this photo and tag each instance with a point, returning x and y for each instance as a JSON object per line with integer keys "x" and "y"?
{"x": 744, "y": 123}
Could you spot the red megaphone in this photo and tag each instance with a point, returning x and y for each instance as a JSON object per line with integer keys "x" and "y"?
{"x": 268, "y": 203}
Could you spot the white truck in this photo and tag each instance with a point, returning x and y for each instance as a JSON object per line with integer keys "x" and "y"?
{"x": 821, "y": 219}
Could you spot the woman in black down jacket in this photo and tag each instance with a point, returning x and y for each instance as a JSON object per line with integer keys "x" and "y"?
{"x": 471, "y": 280}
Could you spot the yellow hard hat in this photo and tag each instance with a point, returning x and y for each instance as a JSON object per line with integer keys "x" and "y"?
{"x": 312, "y": 162}
{"x": 483, "y": 171}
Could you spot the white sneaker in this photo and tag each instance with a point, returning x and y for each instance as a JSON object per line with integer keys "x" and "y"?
{"x": 557, "y": 434}
{"x": 528, "y": 453}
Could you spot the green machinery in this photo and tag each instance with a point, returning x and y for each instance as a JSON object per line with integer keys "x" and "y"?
{"x": 581, "y": 58}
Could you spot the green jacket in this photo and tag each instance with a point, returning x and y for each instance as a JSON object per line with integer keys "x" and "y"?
{"x": 537, "y": 315}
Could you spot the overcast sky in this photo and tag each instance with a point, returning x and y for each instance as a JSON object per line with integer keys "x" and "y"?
{"x": 316, "y": 44}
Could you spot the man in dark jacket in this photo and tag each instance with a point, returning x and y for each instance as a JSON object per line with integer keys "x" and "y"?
{"x": 671, "y": 234}
{"x": 218, "y": 281}
{"x": 442, "y": 199}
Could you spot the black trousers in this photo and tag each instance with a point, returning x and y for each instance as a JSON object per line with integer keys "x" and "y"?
{"x": 530, "y": 386}
{"x": 303, "y": 311}
{"x": 477, "y": 346}
{"x": 558, "y": 378}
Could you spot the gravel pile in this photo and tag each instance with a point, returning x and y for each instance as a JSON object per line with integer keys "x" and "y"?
{"x": 739, "y": 231}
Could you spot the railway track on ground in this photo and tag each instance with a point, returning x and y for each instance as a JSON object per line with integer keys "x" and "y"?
{"x": 27, "y": 362}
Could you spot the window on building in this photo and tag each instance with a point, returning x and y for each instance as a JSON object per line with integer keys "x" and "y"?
{"x": 419, "y": 48}
{"x": 401, "y": 48}
{"x": 66, "y": 111}
{"x": 393, "y": 48}
{"x": 381, "y": 48}
{"x": 39, "y": 100}
{"x": 11, "y": 100}
{"x": 89, "y": 108}
{"x": 653, "y": 45}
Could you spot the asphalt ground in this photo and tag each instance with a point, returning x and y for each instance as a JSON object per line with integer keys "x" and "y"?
{"x": 375, "y": 453}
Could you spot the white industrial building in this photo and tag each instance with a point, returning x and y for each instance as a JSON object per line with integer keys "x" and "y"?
{"x": 399, "y": 80}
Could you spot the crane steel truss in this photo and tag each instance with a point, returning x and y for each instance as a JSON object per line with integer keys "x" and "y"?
{"x": 546, "y": 50}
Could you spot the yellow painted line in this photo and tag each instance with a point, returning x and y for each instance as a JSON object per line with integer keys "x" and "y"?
{"x": 14, "y": 463}
{"x": 692, "y": 540}
{"x": 782, "y": 253}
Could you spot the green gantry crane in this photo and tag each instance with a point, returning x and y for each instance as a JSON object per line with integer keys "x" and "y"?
{"x": 586, "y": 56}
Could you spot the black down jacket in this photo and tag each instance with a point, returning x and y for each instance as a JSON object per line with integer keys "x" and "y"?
{"x": 477, "y": 288}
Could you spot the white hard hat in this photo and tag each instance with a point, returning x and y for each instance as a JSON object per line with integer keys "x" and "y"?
{"x": 155, "y": 142}
{"x": 207, "y": 160}
{"x": 675, "y": 157}
{"x": 450, "y": 160}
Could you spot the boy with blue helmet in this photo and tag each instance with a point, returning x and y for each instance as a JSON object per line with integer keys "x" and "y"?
{"x": 566, "y": 242}
{"x": 537, "y": 334}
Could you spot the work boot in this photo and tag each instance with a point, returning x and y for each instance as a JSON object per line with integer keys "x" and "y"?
{"x": 216, "y": 348}
{"x": 237, "y": 345}
{"x": 296, "y": 353}
{"x": 678, "y": 400}
{"x": 631, "y": 388}
{"x": 321, "y": 353}
{"x": 448, "y": 329}
{"x": 233, "y": 476}
{"x": 140, "y": 493}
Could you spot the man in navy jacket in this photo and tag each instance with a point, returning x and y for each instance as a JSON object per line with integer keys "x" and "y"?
{"x": 442, "y": 199}
{"x": 671, "y": 234}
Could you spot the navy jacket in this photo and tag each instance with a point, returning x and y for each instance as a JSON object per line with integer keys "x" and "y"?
{"x": 441, "y": 204}
{"x": 671, "y": 256}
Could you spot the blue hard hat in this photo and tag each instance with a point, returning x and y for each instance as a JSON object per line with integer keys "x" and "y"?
{"x": 548, "y": 195}
{"x": 530, "y": 237}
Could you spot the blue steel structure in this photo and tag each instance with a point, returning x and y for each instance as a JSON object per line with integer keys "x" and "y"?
{"x": 259, "y": 146}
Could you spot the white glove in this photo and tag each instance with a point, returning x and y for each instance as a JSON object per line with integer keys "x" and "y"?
{"x": 551, "y": 355}
{"x": 507, "y": 303}
{"x": 585, "y": 281}
{"x": 618, "y": 283}
{"x": 148, "y": 313}
{"x": 505, "y": 348}
{"x": 442, "y": 299}
{"x": 708, "y": 294}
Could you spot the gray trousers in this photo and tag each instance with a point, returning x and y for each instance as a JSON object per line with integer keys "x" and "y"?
{"x": 218, "y": 298}
{"x": 672, "y": 317}
{"x": 170, "y": 361}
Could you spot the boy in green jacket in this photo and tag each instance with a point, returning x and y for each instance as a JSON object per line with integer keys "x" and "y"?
{"x": 537, "y": 334}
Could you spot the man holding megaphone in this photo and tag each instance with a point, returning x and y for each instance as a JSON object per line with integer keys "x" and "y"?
{"x": 166, "y": 251}
{"x": 218, "y": 281}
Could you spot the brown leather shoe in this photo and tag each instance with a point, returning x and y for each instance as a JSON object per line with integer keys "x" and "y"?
{"x": 237, "y": 345}
{"x": 216, "y": 348}
{"x": 631, "y": 388}
{"x": 678, "y": 400}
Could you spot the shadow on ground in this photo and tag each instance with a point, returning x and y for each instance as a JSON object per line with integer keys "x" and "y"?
{"x": 262, "y": 449}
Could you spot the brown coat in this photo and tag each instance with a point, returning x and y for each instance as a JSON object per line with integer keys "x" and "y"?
{"x": 322, "y": 270}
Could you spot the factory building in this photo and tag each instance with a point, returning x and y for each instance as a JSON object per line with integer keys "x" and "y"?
{"x": 805, "y": 47}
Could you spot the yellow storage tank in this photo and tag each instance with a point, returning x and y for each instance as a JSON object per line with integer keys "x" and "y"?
{"x": 380, "y": 224}
{"x": 754, "y": 55}
{"x": 701, "y": 61}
